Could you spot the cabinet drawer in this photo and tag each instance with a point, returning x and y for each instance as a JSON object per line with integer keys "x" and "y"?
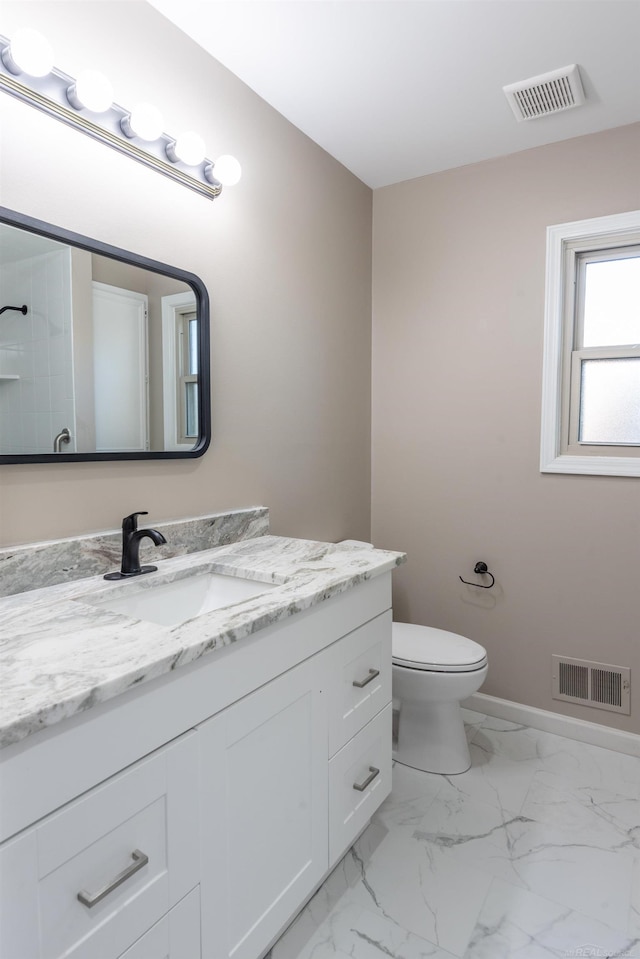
{"x": 361, "y": 670}
{"x": 359, "y": 780}
{"x": 175, "y": 936}
{"x": 128, "y": 848}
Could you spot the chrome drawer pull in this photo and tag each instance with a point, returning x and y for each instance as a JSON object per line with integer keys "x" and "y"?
{"x": 362, "y": 786}
{"x": 139, "y": 860}
{"x": 363, "y": 682}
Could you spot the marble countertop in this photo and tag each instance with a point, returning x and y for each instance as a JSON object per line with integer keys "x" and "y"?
{"x": 60, "y": 654}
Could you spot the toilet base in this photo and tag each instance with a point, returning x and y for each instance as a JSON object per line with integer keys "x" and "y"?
{"x": 431, "y": 737}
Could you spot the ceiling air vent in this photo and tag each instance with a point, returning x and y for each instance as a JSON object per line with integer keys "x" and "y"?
{"x": 592, "y": 684}
{"x": 548, "y": 93}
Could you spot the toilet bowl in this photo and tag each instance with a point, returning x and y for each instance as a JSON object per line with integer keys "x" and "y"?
{"x": 433, "y": 671}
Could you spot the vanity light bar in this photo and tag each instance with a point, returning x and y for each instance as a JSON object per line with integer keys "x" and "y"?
{"x": 55, "y": 94}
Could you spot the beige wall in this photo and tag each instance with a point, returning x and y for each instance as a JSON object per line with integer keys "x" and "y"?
{"x": 458, "y": 302}
{"x": 286, "y": 258}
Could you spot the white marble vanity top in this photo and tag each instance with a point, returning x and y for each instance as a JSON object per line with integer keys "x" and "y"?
{"x": 60, "y": 656}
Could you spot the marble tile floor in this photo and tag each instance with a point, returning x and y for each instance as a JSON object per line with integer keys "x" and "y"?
{"x": 532, "y": 853}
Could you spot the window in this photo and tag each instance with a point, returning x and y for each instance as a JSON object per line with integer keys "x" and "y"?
{"x": 591, "y": 382}
{"x": 187, "y": 376}
{"x": 180, "y": 345}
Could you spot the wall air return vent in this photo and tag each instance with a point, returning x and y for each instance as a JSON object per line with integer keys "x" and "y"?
{"x": 592, "y": 684}
{"x": 548, "y": 93}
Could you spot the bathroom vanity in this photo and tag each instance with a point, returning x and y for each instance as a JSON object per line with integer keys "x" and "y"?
{"x": 180, "y": 791}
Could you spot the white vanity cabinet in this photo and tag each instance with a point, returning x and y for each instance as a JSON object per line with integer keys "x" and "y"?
{"x": 242, "y": 778}
{"x": 90, "y": 879}
{"x": 278, "y": 808}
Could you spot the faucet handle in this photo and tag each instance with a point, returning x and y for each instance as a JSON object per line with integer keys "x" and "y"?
{"x": 130, "y": 523}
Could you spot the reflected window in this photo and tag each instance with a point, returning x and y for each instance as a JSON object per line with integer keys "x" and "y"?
{"x": 181, "y": 337}
{"x": 187, "y": 375}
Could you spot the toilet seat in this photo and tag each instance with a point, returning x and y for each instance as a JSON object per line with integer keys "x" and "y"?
{"x": 435, "y": 650}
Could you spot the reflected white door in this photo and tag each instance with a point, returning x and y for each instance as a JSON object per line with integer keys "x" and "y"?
{"x": 120, "y": 369}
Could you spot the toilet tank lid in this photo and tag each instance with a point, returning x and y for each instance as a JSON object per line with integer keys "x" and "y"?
{"x": 428, "y": 646}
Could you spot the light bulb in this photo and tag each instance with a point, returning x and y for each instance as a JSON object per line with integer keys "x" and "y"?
{"x": 226, "y": 170}
{"x": 144, "y": 121}
{"x": 188, "y": 147}
{"x": 28, "y": 52}
{"x": 91, "y": 91}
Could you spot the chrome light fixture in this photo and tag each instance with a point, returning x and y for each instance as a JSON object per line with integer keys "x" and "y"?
{"x": 27, "y": 72}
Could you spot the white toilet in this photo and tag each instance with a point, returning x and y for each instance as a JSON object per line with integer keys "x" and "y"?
{"x": 433, "y": 671}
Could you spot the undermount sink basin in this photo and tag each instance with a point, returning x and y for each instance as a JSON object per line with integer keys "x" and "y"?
{"x": 171, "y": 603}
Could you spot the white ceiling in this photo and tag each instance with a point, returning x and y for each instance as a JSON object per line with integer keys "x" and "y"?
{"x": 396, "y": 89}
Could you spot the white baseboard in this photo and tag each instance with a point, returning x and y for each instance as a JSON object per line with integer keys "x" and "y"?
{"x": 549, "y": 722}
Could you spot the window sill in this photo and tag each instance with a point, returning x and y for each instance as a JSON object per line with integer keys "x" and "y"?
{"x": 592, "y": 465}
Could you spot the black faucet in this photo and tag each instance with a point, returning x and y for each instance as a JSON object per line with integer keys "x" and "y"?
{"x": 131, "y": 537}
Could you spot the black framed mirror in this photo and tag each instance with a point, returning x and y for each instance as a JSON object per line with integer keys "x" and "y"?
{"x": 104, "y": 354}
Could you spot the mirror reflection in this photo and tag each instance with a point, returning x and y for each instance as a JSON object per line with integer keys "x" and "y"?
{"x": 101, "y": 353}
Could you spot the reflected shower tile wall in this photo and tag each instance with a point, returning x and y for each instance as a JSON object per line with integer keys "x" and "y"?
{"x": 13, "y": 288}
{"x": 36, "y": 347}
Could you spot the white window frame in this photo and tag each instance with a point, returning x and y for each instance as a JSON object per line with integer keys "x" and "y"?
{"x": 172, "y": 306}
{"x": 183, "y": 318}
{"x": 564, "y": 242}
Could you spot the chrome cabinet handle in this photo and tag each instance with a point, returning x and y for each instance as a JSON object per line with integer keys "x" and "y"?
{"x": 373, "y": 772}
{"x": 139, "y": 860}
{"x": 363, "y": 682}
